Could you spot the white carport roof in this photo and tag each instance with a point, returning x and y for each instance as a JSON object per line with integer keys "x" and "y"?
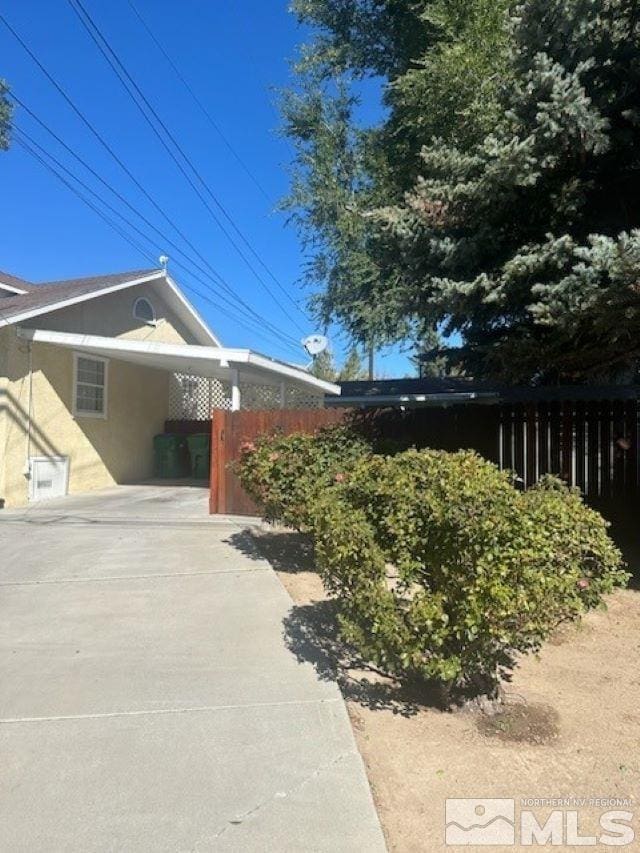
{"x": 231, "y": 365}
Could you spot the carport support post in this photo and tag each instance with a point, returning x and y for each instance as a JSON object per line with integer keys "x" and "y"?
{"x": 235, "y": 392}
{"x": 283, "y": 395}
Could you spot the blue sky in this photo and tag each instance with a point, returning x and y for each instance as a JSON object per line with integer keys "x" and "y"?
{"x": 234, "y": 55}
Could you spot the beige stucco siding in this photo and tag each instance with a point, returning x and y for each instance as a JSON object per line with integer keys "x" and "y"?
{"x": 4, "y": 382}
{"x": 112, "y": 316}
{"x": 102, "y": 452}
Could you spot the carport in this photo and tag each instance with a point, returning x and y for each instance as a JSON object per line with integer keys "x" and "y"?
{"x": 226, "y": 375}
{"x": 200, "y": 380}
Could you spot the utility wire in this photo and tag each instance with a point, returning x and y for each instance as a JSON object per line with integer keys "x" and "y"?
{"x": 112, "y": 224}
{"x": 167, "y": 240}
{"x": 198, "y": 102}
{"x": 123, "y": 75}
{"x": 104, "y": 143}
{"x": 130, "y": 87}
{"x": 110, "y": 150}
{"x": 257, "y": 325}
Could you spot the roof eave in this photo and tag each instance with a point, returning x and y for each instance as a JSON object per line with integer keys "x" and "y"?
{"x": 382, "y": 400}
{"x": 188, "y": 357}
{"x": 75, "y": 300}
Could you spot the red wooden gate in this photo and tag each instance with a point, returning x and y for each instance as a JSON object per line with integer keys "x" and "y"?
{"x": 229, "y": 431}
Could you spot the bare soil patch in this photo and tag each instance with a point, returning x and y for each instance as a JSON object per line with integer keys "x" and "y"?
{"x": 521, "y": 723}
{"x": 570, "y": 726}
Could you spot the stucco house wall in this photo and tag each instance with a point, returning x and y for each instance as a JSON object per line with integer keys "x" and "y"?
{"x": 112, "y": 316}
{"x": 102, "y": 452}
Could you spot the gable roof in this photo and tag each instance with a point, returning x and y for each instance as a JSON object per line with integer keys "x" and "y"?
{"x": 12, "y": 284}
{"x": 49, "y": 293}
{"x": 54, "y": 295}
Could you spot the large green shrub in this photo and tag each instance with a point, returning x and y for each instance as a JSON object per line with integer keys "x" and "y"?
{"x": 443, "y": 570}
{"x": 286, "y": 474}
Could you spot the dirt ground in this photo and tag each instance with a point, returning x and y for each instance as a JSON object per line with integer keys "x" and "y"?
{"x": 571, "y": 726}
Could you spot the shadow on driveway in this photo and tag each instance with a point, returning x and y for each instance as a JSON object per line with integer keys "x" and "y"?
{"x": 311, "y": 632}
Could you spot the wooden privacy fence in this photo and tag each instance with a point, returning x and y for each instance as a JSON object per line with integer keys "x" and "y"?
{"x": 592, "y": 445}
{"x": 230, "y": 430}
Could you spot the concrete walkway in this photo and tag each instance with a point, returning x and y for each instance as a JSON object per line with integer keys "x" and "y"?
{"x": 147, "y": 699}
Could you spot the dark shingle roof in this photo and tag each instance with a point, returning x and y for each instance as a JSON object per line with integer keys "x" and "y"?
{"x": 390, "y": 392}
{"x": 14, "y": 281}
{"x": 49, "y": 293}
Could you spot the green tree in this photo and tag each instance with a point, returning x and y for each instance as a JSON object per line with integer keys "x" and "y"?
{"x": 324, "y": 367}
{"x": 5, "y": 117}
{"x": 427, "y": 357}
{"x": 440, "y": 62}
{"x": 499, "y": 196}
{"x": 352, "y": 369}
{"x": 528, "y": 242}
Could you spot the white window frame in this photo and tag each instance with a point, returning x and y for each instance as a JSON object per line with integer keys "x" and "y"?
{"x": 105, "y": 388}
{"x": 140, "y": 299}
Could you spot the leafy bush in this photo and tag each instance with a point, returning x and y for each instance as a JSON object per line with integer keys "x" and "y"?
{"x": 443, "y": 570}
{"x": 285, "y": 474}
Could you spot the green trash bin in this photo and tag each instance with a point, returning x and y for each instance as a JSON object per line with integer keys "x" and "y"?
{"x": 200, "y": 455}
{"x": 170, "y": 458}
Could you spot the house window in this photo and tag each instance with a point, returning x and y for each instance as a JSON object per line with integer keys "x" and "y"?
{"x": 143, "y": 310}
{"x": 90, "y": 387}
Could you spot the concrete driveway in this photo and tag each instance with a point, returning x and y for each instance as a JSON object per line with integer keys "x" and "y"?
{"x": 147, "y": 699}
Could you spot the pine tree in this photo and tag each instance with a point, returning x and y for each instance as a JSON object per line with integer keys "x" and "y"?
{"x": 528, "y": 242}
{"x": 499, "y": 198}
{"x": 324, "y": 367}
{"x": 352, "y": 369}
{"x": 443, "y": 60}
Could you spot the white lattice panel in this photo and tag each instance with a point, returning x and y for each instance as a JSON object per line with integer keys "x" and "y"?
{"x": 301, "y": 398}
{"x": 193, "y": 398}
{"x": 255, "y": 397}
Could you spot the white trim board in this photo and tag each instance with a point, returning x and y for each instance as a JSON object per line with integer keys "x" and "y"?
{"x": 191, "y": 317}
{"x": 217, "y": 362}
{"x": 15, "y": 290}
{"x": 75, "y": 300}
{"x": 192, "y": 311}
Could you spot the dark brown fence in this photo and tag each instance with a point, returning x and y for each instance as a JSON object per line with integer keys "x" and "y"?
{"x": 590, "y": 444}
{"x": 444, "y": 428}
{"x": 230, "y": 430}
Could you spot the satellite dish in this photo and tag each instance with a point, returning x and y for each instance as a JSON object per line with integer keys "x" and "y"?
{"x": 315, "y": 344}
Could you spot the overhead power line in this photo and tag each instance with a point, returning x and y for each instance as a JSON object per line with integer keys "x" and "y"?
{"x": 117, "y": 159}
{"x": 167, "y": 241}
{"x": 101, "y": 139}
{"x": 256, "y": 324}
{"x": 137, "y": 95}
{"x": 132, "y": 242}
{"x": 214, "y": 124}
